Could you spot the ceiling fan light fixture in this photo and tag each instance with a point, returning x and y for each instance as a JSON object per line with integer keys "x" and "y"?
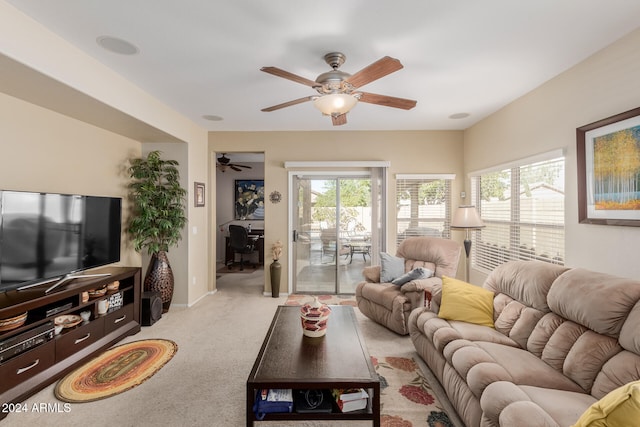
{"x": 335, "y": 103}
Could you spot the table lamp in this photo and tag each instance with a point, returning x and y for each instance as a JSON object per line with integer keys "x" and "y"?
{"x": 467, "y": 218}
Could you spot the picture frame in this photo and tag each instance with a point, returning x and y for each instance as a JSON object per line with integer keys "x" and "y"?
{"x": 249, "y": 199}
{"x": 199, "y": 194}
{"x": 608, "y": 156}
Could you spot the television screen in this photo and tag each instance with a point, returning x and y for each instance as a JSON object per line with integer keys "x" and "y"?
{"x": 45, "y": 236}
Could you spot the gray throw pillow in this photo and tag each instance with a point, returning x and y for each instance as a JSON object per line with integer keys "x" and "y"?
{"x": 391, "y": 267}
{"x": 416, "y": 273}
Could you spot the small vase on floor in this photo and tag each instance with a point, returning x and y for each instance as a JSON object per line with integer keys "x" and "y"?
{"x": 275, "y": 271}
{"x": 159, "y": 278}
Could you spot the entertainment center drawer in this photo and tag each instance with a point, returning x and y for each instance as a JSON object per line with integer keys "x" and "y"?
{"x": 118, "y": 318}
{"x": 24, "y": 366}
{"x": 73, "y": 341}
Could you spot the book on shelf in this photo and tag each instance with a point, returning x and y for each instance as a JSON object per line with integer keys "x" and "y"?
{"x": 348, "y": 400}
{"x": 272, "y": 400}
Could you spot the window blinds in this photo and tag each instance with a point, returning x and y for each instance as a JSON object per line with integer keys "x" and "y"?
{"x": 523, "y": 210}
{"x": 423, "y": 206}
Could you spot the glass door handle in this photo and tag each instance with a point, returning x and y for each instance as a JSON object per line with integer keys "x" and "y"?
{"x": 295, "y": 235}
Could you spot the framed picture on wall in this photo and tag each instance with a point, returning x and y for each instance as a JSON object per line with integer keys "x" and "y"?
{"x": 198, "y": 191}
{"x": 608, "y": 154}
{"x": 249, "y": 199}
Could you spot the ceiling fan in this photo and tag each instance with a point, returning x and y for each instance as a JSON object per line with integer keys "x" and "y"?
{"x": 339, "y": 91}
{"x": 224, "y": 163}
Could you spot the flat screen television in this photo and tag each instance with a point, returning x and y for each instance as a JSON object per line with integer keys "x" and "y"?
{"x": 47, "y": 237}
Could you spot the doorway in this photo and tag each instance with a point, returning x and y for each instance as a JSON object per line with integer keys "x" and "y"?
{"x": 333, "y": 229}
{"x": 233, "y": 169}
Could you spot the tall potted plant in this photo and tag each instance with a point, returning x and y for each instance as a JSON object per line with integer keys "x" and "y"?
{"x": 158, "y": 218}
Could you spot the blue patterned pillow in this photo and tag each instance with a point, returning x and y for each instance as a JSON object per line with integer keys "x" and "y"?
{"x": 416, "y": 273}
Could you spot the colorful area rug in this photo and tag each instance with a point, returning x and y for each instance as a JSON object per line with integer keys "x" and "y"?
{"x": 406, "y": 398}
{"x": 300, "y": 299}
{"x": 117, "y": 370}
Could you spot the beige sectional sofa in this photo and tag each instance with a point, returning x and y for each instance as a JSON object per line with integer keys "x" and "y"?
{"x": 563, "y": 339}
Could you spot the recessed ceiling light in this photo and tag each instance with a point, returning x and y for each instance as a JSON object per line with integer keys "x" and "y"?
{"x": 212, "y": 118}
{"x": 116, "y": 45}
{"x": 459, "y": 116}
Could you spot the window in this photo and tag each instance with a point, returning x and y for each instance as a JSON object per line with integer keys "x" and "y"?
{"x": 423, "y": 206}
{"x": 522, "y": 207}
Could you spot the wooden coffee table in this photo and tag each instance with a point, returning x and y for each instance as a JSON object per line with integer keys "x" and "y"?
{"x": 290, "y": 360}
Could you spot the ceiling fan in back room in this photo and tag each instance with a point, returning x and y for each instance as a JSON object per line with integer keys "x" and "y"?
{"x": 339, "y": 91}
{"x": 224, "y": 163}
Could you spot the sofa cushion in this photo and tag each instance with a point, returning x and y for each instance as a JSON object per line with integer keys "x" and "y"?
{"x": 441, "y": 332}
{"x": 616, "y": 372}
{"x": 515, "y": 320}
{"x": 599, "y": 301}
{"x": 465, "y": 302}
{"x": 391, "y": 267}
{"x": 525, "y": 281}
{"x": 508, "y": 404}
{"x": 616, "y": 409}
{"x": 500, "y": 362}
{"x": 629, "y": 337}
{"x": 437, "y": 254}
{"x": 415, "y": 274}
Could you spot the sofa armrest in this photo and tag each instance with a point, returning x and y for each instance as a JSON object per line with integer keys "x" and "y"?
{"x": 432, "y": 288}
{"x": 504, "y": 403}
{"x": 372, "y": 273}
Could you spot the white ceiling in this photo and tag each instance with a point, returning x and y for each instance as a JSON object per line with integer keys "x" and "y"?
{"x": 203, "y": 57}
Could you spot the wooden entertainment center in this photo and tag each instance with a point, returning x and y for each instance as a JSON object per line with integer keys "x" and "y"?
{"x": 30, "y": 371}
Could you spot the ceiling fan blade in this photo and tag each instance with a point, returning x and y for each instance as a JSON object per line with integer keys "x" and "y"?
{"x": 235, "y": 168}
{"x": 387, "y": 101}
{"x": 289, "y": 76}
{"x": 339, "y": 120}
{"x": 287, "y": 104}
{"x": 242, "y": 166}
{"x": 378, "y": 69}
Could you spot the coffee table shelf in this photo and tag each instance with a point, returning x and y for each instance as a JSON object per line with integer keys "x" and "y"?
{"x": 290, "y": 360}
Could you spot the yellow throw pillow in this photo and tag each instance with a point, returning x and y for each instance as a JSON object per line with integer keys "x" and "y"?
{"x": 466, "y": 302}
{"x": 619, "y": 408}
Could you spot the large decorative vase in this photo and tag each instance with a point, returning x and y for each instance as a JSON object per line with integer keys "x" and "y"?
{"x": 275, "y": 271}
{"x": 159, "y": 278}
{"x": 314, "y": 317}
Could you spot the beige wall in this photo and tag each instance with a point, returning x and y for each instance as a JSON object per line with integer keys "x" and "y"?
{"x": 602, "y": 86}
{"x": 45, "y": 151}
{"x": 407, "y": 151}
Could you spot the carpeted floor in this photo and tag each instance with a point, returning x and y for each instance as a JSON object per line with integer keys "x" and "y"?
{"x": 204, "y": 384}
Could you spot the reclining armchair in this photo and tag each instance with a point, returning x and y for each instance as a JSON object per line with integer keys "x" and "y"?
{"x": 390, "y": 304}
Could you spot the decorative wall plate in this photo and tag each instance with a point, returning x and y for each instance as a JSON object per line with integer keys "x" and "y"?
{"x": 275, "y": 197}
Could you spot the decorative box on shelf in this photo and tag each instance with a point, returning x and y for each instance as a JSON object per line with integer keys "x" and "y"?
{"x": 115, "y": 301}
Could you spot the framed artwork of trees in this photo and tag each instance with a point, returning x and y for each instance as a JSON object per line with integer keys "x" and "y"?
{"x": 608, "y": 154}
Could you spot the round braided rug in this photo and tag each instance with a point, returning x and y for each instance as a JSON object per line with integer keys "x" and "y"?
{"x": 118, "y": 369}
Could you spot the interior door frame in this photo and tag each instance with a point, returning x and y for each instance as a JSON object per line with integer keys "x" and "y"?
{"x": 329, "y": 171}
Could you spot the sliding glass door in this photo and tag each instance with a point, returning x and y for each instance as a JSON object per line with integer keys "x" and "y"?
{"x": 334, "y": 230}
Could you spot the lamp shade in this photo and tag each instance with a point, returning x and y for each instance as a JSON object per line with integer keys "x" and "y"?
{"x": 466, "y": 217}
{"x": 335, "y": 103}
